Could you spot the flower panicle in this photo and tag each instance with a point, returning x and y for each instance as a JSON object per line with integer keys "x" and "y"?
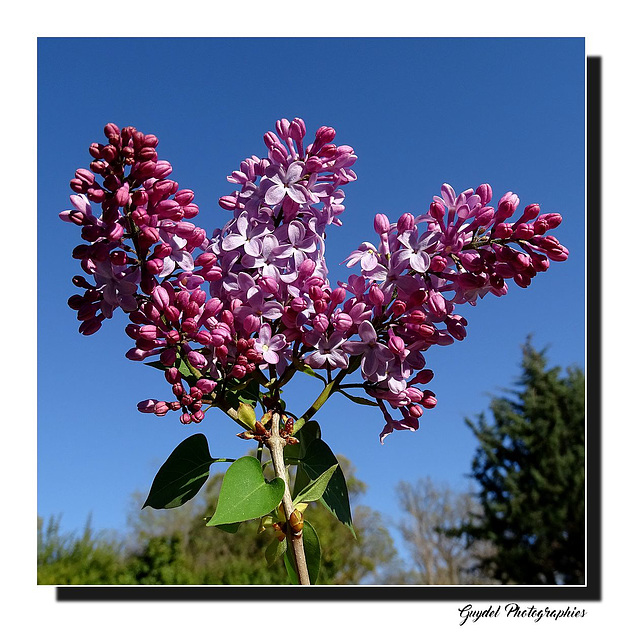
{"x": 215, "y": 311}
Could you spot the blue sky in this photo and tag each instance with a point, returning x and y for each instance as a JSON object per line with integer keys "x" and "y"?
{"x": 418, "y": 112}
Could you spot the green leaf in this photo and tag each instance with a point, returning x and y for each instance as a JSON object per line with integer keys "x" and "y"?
{"x": 182, "y": 475}
{"x": 156, "y": 364}
{"x": 247, "y": 415}
{"x": 248, "y": 394}
{"x": 245, "y": 494}
{"x": 289, "y": 565}
{"x": 317, "y": 458}
{"x": 314, "y": 490}
{"x": 274, "y": 550}
{"x": 359, "y": 400}
{"x": 305, "y": 368}
{"x": 229, "y": 528}
{"x": 354, "y": 363}
{"x": 310, "y": 431}
{"x": 185, "y": 371}
{"x": 312, "y": 553}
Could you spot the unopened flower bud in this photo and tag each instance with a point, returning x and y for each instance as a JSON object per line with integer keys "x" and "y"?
{"x": 342, "y": 321}
{"x": 112, "y": 131}
{"x": 338, "y": 295}
{"x": 251, "y": 324}
{"x": 429, "y": 400}
{"x": 168, "y": 357}
{"x": 177, "y": 389}
{"x": 398, "y": 308}
{"x": 307, "y": 267}
{"x": 147, "y": 406}
{"x": 523, "y": 231}
{"x": 172, "y": 375}
{"x": 313, "y": 165}
{"x": 415, "y": 410}
{"x": 162, "y": 169}
{"x": 502, "y": 231}
{"x": 381, "y": 224}
{"x": 436, "y": 209}
{"x": 122, "y": 195}
{"x": 161, "y": 408}
{"x": 206, "y": 385}
{"x": 376, "y": 297}
{"x": 324, "y": 135}
{"x": 485, "y": 192}
{"x": 396, "y": 345}
{"x": 238, "y": 371}
{"x": 321, "y": 323}
{"x": 406, "y": 223}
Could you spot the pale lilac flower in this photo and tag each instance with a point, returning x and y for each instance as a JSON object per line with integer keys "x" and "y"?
{"x": 179, "y": 255}
{"x": 329, "y": 352}
{"x": 416, "y": 251}
{"x": 117, "y": 287}
{"x": 366, "y": 254}
{"x": 245, "y": 236}
{"x": 296, "y": 241}
{"x": 287, "y": 184}
{"x": 81, "y": 214}
{"x": 240, "y": 285}
{"x": 407, "y": 423}
{"x": 267, "y": 261}
{"x": 375, "y": 355}
{"x": 269, "y": 345}
{"x": 257, "y": 306}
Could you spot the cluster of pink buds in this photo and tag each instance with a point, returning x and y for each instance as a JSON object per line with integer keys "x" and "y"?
{"x": 216, "y": 312}
{"x": 142, "y": 232}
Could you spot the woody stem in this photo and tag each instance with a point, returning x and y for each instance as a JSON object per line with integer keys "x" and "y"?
{"x": 275, "y": 443}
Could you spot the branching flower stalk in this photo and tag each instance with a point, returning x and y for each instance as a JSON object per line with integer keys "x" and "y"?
{"x": 231, "y": 316}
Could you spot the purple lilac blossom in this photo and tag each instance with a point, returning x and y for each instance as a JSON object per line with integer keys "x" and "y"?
{"x": 256, "y": 294}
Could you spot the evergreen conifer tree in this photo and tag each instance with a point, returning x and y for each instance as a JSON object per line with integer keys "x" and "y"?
{"x": 530, "y": 468}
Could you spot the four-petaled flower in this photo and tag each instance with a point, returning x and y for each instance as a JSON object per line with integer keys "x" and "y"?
{"x": 416, "y": 250}
{"x": 375, "y": 355}
{"x": 268, "y": 345}
{"x": 329, "y": 352}
{"x": 287, "y": 184}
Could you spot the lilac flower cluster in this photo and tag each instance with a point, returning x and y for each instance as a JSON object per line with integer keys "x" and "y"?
{"x": 271, "y": 252}
{"x": 424, "y": 266}
{"x": 254, "y": 299}
{"x": 141, "y": 232}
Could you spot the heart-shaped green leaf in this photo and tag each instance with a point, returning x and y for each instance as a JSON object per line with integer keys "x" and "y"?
{"x": 245, "y": 494}
{"x": 312, "y": 553}
{"x": 314, "y": 490}
{"x": 182, "y": 475}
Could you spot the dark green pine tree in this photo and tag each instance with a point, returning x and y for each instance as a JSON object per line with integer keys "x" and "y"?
{"x": 530, "y": 468}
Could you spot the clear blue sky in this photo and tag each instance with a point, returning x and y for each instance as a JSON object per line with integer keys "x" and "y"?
{"x": 418, "y": 112}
